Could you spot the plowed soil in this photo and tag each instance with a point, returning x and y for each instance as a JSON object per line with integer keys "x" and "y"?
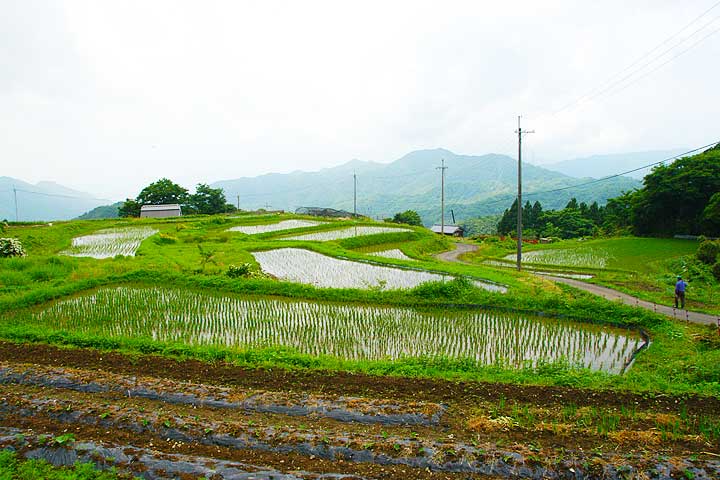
{"x": 482, "y": 430}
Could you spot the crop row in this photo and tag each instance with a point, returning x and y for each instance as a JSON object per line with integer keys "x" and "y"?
{"x": 346, "y": 233}
{"x": 275, "y": 227}
{"x": 109, "y": 242}
{"x": 344, "y": 331}
{"x": 565, "y": 257}
{"x": 304, "y": 266}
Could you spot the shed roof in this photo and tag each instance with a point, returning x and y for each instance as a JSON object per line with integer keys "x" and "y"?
{"x": 450, "y": 229}
{"x": 169, "y": 206}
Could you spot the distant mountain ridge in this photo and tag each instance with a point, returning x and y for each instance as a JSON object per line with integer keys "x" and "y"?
{"x": 42, "y": 201}
{"x": 599, "y": 166}
{"x": 474, "y": 186}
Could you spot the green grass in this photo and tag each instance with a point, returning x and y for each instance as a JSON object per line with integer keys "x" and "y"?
{"x": 683, "y": 358}
{"x": 642, "y": 267}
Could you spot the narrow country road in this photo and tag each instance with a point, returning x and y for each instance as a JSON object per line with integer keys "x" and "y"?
{"x": 607, "y": 293}
{"x": 454, "y": 255}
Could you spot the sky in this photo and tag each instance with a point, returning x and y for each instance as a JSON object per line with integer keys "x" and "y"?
{"x": 108, "y": 96}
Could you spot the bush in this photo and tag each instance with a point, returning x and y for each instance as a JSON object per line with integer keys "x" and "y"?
{"x": 165, "y": 239}
{"x": 708, "y": 251}
{"x": 237, "y": 271}
{"x": 11, "y": 247}
{"x": 716, "y": 271}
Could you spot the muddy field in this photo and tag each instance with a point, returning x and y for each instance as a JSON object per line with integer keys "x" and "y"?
{"x": 162, "y": 418}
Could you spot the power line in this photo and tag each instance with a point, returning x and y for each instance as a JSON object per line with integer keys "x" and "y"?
{"x": 601, "y": 88}
{"x": 611, "y": 176}
{"x": 59, "y": 195}
{"x": 637, "y": 79}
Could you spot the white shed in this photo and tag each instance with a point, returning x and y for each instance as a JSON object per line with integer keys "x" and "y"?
{"x": 452, "y": 230}
{"x": 161, "y": 211}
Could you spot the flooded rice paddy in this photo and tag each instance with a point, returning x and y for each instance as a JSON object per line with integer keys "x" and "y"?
{"x": 109, "y": 242}
{"x": 346, "y": 233}
{"x": 305, "y": 266}
{"x": 275, "y": 227}
{"x": 394, "y": 253}
{"x": 344, "y": 331}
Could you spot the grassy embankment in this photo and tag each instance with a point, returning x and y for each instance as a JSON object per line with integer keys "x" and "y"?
{"x": 683, "y": 358}
{"x": 644, "y": 267}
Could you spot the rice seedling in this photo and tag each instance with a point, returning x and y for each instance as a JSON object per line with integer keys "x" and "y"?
{"x": 577, "y": 276}
{"x": 304, "y": 266}
{"x": 275, "y": 227}
{"x": 343, "y": 331}
{"x": 590, "y": 258}
{"x": 346, "y": 233}
{"x": 109, "y": 242}
{"x": 395, "y": 253}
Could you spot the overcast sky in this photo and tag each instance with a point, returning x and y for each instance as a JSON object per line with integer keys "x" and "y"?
{"x": 106, "y": 96}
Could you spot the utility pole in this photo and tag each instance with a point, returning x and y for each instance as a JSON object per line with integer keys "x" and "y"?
{"x": 16, "y": 209}
{"x": 354, "y": 195}
{"x": 520, "y": 132}
{"x": 442, "y": 169}
{"x": 238, "y": 202}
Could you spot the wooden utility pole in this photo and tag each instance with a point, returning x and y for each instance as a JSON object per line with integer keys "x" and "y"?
{"x": 16, "y": 207}
{"x": 354, "y": 195}
{"x": 442, "y": 169}
{"x": 520, "y": 132}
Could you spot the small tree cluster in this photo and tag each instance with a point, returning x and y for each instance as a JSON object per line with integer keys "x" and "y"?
{"x": 408, "y": 217}
{"x": 575, "y": 220}
{"x": 709, "y": 253}
{"x": 11, "y": 247}
{"x": 205, "y": 200}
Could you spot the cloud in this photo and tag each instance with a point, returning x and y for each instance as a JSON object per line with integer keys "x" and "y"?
{"x": 108, "y": 96}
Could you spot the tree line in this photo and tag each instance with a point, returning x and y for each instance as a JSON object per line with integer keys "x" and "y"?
{"x": 205, "y": 200}
{"x": 680, "y": 198}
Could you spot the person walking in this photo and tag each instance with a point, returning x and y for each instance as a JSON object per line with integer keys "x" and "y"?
{"x": 680, "y": 292}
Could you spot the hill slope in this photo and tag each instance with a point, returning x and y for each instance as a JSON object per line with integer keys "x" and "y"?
{"x": 42, "y": 201}
{"x": 599, "y": 166}
{"x": 474, "y": 186}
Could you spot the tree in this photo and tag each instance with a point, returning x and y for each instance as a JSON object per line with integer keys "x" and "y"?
{"x": 408, "y": 217}
{"x": 130, "y": 208}
{"x": 675, "y": 196}
{"x": 208, "y": 200}
{"x": 572, "y": 204}
{"x": 711, "y": 216}
{"x": 162, "y": 192}
{"x": 508, "y": 222}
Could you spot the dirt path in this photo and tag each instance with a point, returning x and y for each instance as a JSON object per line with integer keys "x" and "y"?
{"x": 614, "y": 295}
{"x": 607, "y": 293}
{"x": 454, "y": 255}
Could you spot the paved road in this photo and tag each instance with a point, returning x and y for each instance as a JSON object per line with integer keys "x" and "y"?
{"x": 607, "y": 293}
{"x": 454, "y": 255}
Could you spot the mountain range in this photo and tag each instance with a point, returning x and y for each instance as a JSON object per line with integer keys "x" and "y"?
{"x": 42, "y": 201}
{"x": 599, "y": 166}
{"x": 474, "y": 186}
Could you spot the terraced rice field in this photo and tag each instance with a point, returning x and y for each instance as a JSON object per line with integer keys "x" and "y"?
{"x": 576, "y": 276}
{"x": 275, "y": 227}
{"x": 344, "y": 331}
{"x": 304, "y": 266}
{"x": 395, "y": 253}
{"x": 346, "y": 233}
{"x": 109, "y": 242}
{"x": 589, "y": 258}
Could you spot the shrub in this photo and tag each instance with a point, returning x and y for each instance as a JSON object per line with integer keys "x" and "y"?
{"x": 716, "y": 271}
{"x": 236, "y": 271}
{"x": 165, "y": 239}
{"x": 708, "y": 251}
{"x": 11, "y": 247}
